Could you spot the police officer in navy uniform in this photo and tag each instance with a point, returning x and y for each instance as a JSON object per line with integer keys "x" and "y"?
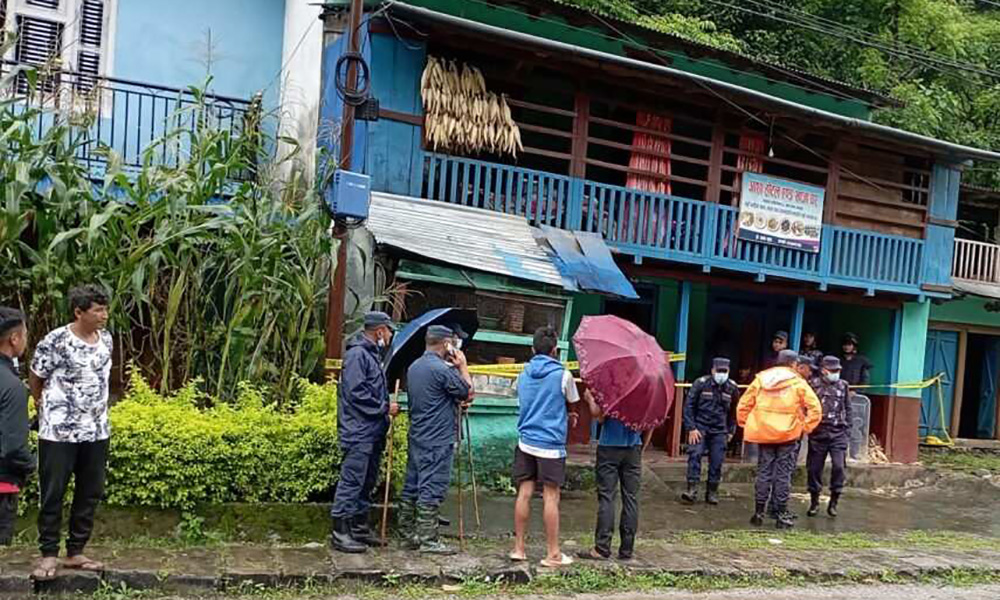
{"x": 856, "y": 368}
{"x": 832, "y": 437}
{"x": 438, "y": 385}
{"x": 363, "y": 411}
{"x": 779, "y": 342}
{"x": 710, "y": 425}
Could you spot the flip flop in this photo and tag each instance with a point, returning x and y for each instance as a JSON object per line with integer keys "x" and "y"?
{"x": 517, "y": 557}
{"x": 564, "y": 561}
{"x": 42, "y": 573}
{"x": 86, "y": 565}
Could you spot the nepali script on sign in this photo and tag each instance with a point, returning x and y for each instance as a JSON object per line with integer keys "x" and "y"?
{"x": 780, "y": 212}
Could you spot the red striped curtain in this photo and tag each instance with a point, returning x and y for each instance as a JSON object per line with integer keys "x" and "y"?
{"x": 754, "y": 143}
{"x": 650, "y": 155}
{"x": 654, "y": 160}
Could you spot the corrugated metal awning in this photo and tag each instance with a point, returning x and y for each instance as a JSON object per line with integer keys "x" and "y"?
{"x": 493, "y": 242}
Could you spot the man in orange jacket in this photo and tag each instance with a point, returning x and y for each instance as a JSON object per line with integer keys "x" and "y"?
{"x": 775, "y": 411}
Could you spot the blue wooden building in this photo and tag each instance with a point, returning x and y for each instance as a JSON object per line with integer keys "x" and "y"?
{"x": 654, "y": 142}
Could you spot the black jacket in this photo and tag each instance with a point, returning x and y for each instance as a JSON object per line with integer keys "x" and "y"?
{"x": 856, "y": 370}
{"x": 16, "y": 458}
{"x": 836, "y": 401}
{"x": 709, "y": 406}
{"x": 363, "y": 398}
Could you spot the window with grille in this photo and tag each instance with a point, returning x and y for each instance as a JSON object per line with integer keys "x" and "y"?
{"x": 67, "y": 39}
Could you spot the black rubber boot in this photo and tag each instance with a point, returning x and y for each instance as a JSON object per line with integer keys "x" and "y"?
{"x": 813, "y": 504}
{"x": 341, "y": 539}
{"x": 785, "y": 520}
{"x": 427, "y": 532}
{"x": 406, "y": 523}
{"x": 758, "y": 516}
{"x": 691, "y": 495}
{"x": 831, "y": 508}
{"x": 362, "y": 531}
{"x": 712, "y": 493}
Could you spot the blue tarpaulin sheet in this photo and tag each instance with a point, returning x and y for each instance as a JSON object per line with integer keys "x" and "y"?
{"x": 585, "y": 260}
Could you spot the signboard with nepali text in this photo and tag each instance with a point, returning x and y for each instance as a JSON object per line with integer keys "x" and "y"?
{"x": 781, "y": 212}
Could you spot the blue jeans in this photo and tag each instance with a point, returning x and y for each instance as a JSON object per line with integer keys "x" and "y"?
{"x": 713, "y": 444}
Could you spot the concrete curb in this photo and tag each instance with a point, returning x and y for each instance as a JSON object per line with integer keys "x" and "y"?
{"x": 377, "y": 570}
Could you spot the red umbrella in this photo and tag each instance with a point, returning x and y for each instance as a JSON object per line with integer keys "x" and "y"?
{"x": 626, "y": 371}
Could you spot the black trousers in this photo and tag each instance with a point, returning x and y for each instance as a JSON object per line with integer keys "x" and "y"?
{"x": 57, "y": 463}
{"x": 775, "y": 468}
{"x": 359, "y": 472}
{"x": 8, "y": 518}
{"x": 617, "y": 467}
{"x": 832, "y": 445}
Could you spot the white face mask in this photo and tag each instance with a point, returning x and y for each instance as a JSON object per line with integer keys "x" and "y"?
{"x": 720, "y": 378}
{"x": 832, "y": 377}
{"x": 458, "y": 344}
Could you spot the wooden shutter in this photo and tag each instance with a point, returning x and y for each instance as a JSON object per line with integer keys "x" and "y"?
{"x": 3, "y": 20}
{"x": 39, "y": 41}
{"x": 88, "y": 59}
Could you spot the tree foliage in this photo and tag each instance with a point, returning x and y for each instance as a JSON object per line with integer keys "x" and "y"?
{"x": 909, "y": 49}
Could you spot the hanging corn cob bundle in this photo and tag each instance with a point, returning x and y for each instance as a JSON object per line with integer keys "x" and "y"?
{"x": 461, "y": 115}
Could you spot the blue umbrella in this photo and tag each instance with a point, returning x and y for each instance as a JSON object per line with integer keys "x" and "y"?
{"x": 408, "y": 344}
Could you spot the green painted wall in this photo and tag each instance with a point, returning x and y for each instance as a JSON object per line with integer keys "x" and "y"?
{"x": 968, "y": 311}
{"x": 913, "y": 343}
{"x": 874, "y": 328}
{"x": 584, "y": 305}
{"x": 697, "y": 325}
{"x": 594, "y": 38}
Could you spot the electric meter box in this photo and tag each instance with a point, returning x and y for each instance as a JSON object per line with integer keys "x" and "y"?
{"x": 350, "y": 195}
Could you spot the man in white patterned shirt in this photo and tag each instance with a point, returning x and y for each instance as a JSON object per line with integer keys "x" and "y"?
{"x": 70, "y": 374}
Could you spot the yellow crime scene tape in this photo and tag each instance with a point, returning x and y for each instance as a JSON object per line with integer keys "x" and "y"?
{"x": 511, "y": 371}
{"x": 498, "y": 370}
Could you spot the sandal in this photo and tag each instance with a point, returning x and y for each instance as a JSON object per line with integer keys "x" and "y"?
{"x": 564, "y": 561}
{"x": 515, "y": 557}
{"x": 82, "y": 563}
{"x": 46, "y": 569}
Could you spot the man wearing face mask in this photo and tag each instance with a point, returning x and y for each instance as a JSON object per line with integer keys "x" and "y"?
{"x": 438, "y": 383}
{"x": 831, "y": 437}
{"x": 710, "y": 426}
{"x": 363, "y": 411}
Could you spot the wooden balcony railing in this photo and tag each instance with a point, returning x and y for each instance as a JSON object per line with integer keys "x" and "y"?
{"x": 976, "y": 261}
{"x": 651, "y": 225}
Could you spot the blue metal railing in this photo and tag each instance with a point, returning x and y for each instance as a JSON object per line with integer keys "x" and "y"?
{"x": 123, "y": 116}
{"x": 651, "y": 225}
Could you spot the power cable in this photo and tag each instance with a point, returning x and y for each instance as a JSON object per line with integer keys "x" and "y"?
{"x": 932, "y": 61}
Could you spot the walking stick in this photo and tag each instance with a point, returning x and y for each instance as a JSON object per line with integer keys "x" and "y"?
{"x": 388, "y": 470}
{"x": 472, "y": 471}
{"x": 461, "y": 510}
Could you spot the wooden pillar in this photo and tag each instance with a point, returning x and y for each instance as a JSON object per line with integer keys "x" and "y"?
{"x": 798, "y": 322}
{"x": 832, "y": 187}
{"x": 581, "y": 130}
{"x": 680, "y": 347}
{"x": 714, "y": 191}
{"x": 956, "y": 405}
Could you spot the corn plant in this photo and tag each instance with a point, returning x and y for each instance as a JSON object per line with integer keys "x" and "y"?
{"x": 217, "y": 270}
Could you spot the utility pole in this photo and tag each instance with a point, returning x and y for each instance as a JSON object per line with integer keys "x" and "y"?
{"x": 338, "y": 288}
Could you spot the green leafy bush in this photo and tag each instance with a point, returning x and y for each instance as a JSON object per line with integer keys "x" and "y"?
{"x": 186, "y": 449}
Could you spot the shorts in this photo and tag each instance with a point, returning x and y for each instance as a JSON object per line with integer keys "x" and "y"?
{"x": 547, "y": 471}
